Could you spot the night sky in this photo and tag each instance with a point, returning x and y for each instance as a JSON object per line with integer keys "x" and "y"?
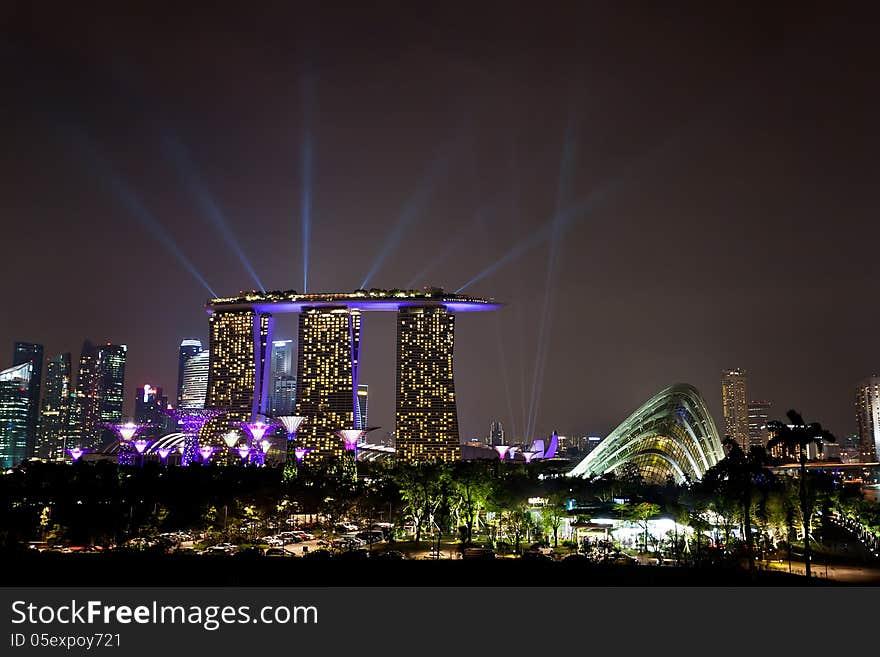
{"x": 714, "y": 179}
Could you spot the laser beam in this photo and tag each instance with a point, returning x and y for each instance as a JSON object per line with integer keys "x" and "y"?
{"x": 565, "y": 173}
{"x": 411, "y": 211}
{"x": 308, "y": 100}
{"x": 101, "y": 168}
{"x": 189, "y": 173}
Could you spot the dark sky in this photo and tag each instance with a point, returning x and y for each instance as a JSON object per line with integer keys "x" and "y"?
{"x": 723, "y": 170}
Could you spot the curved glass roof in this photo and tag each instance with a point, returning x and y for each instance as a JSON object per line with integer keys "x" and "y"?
{"x": 671, "y": 434}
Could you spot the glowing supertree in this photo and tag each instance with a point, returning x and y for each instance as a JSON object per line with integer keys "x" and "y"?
{"x": 351, "y": 437}
{"x": 528, "y": 456}
{"x": 291, "y": 425}
{"x": 163, "y": 453}
{"x": 502, "y": 451}
{"x": 257, "y": 430}
{"x": 126, "y": 432}
{"x": 191, "y": 420}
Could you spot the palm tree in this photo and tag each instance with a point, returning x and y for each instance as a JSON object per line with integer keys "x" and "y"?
{"x": 794, "y": 437}
{"x": 739, "y": 474}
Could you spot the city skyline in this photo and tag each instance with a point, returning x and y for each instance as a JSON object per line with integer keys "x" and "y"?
{"x": 449, "y": 177}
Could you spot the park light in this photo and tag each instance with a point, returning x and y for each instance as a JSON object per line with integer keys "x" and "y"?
{"x": 140, "y": 445}
{"x": 502, "y": 451}
{"x": 206, "y": 451}
{"x": 76, "y": 453}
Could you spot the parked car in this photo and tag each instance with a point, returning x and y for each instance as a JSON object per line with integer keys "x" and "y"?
{"x": 277, "y": 552}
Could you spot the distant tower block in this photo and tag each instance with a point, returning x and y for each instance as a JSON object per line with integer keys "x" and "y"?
{"x": 239, "y": 368}
{"x": 426, "y": 416}
{"x": 327, "y": 377}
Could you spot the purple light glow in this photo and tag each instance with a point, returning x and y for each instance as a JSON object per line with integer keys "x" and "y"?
{"x": 350, "y": 437}
{"x": 163, "y": 453}
{"x": 538, "y": 448}
{"x": 554, "y": 444}
{"x": 243, "y": 451}
{"x": 512, "y": 452}
{"x": 528, "y": 456}
{"x": 191, "y": 420}
{"x": 76, "y": 453}
{"x": 257, "y": 430}
{"x": 141, "y": 445}
{"x": 206, "y": 451}
{"x": 502, "y": 450}
{"x": 300, "y": 452}
{"x": 265, "y": 444}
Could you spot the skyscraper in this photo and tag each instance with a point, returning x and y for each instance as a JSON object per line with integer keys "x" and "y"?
{"x": 28, "y": 352}
{"x": 426, "y": 417}
{"x": 239, "y": 370}
{"x": 86, "y": 404}
{"x": 759, "y": 415}
{"x": 100, "y": 387}
{"x": 15, "y": 398}
{"x": 55, "y": 414}
{"x": 327, "y": 374}
{"x": 735, "y": 407}
{"x": 496, "y": 433}
{"x": 149, "y": 406}
{"x": 363, "y": 407}
{"x": 283, "y": 395}
{"x": 868, "y": 418}
{"x": 189, "y": 347}
{"x": 195, "y": 381}
{"x": 282, "y": 357}
{"x": 111, "y": 364}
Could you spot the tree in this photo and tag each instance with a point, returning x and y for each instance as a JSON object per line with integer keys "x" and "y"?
{"x": 737, "y": 476}
{"x": 553, "y": 513}
{"x": 794, "y": 438}
{"x": 471, "y": 485}
{"x": 639, "y": 513}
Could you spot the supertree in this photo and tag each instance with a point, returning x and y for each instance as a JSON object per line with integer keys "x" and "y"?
{"x": 191, "y": 421}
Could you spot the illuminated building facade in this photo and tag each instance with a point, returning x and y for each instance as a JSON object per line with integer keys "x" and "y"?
{"x": 759, "y": 415}
{"x": 868, "y": 418}
{"x": 100, "y": 387}
{"x": 84, "y": 428}
{"x": 111, "y": 367}
{"x": 189, "y": 347}
{"x": 29, "y": 352}
{"x": 735, "y": 407}
{"x": 194, "y": 389}
{"x": 670, "y": 435}
{"x": 327, "y": 377}
{"x": 15, "y": 413}
{"x": 149, "y": 411}
{"x": 239, "y": 369}
{"x": 363, "y": 407}
{"x": 426, "y": 418}
{"x": 327, "y": 363}
{"x": 496, "y": 433}
{"x": 55, "y": 413}
{"x": 283, "y": 393}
